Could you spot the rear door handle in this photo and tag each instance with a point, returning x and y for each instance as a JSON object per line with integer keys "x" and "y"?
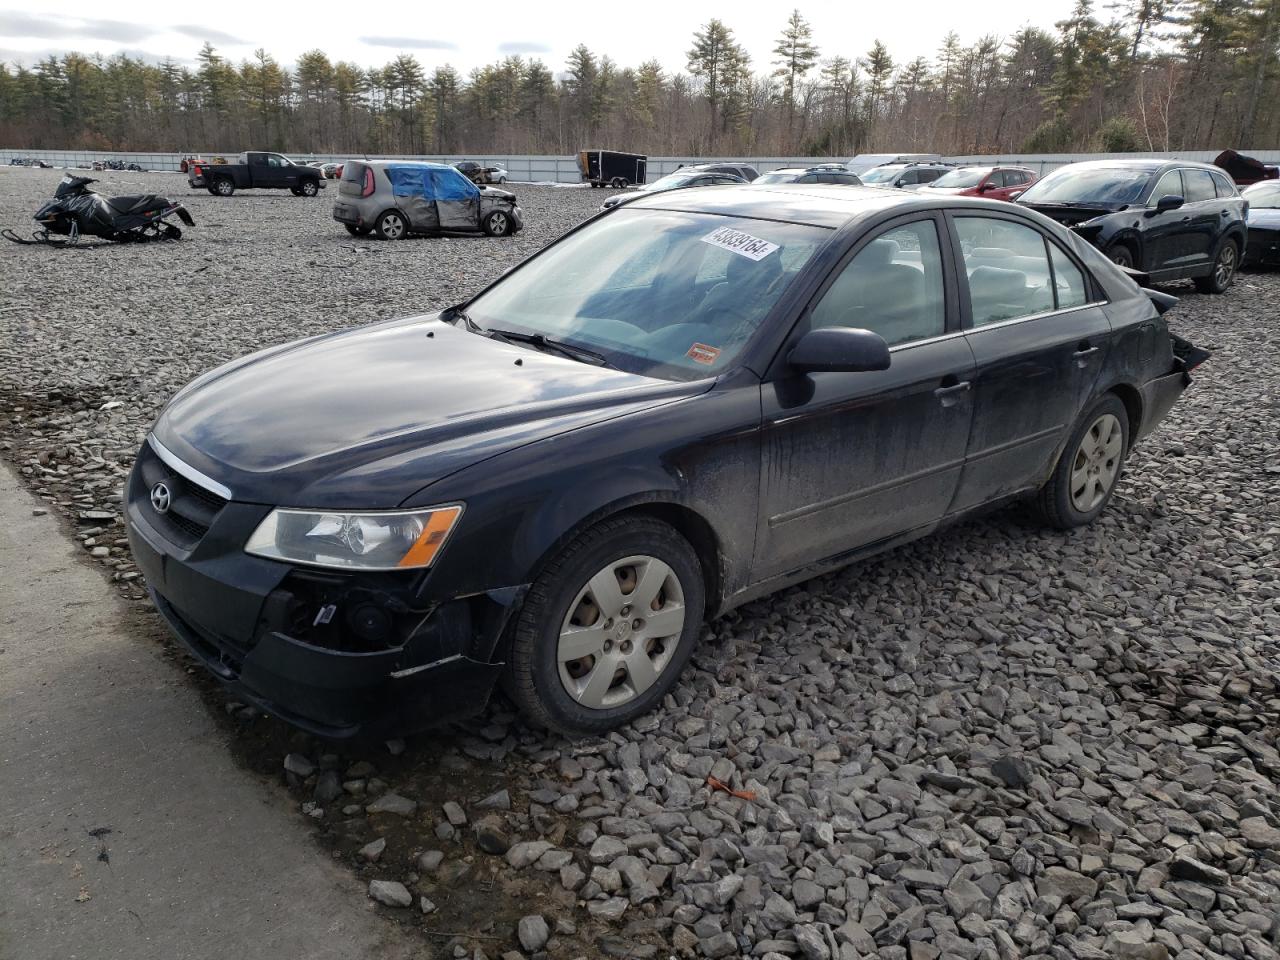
{"x": 1082, "y": 356}
{"x": 950, "y": 395}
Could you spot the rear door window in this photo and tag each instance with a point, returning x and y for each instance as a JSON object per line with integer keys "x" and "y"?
{"x": 1199, "y": 185}
{"x": 1008, "y": 269}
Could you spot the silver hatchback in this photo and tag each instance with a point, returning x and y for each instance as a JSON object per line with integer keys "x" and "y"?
{"x": 396, "y": 198}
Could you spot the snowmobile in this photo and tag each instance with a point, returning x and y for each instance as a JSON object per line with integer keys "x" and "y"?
{"x": 77, "y": 211}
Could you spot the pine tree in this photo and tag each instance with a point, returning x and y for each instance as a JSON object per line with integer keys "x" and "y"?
{"x": 796, "y": 55}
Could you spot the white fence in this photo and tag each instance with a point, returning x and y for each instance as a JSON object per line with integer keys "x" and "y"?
{"x": 544, "y": 169}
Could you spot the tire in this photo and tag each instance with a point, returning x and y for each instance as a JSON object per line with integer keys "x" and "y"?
{"x": 498, "y": 224}
{"x": 1120, "y": 255}
{"x": 1085, "y": 477}
{"x": 599, "y": 690}
{"x": 391, "y": 226}
{"x": 223, "y": 187}
{"x": 502, "y": 181}
{"x": 308, "y": 188}
{"x": 1225, "y": 265}
{"x": 356, "y": 231}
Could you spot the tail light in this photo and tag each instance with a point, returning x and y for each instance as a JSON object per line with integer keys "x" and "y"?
{"x": 369, "y": 185}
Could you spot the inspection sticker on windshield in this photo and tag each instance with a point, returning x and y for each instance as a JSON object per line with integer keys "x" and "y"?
{"x": 701, "y": 353}
{"x": 743, "y": 244}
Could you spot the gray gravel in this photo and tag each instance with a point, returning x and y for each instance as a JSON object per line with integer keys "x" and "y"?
{"x": 999, "y": 742}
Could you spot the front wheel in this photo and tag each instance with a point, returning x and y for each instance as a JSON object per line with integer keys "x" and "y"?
{"x": 607, "y": 627}
{"x": 1224, "y": 270}
{"x": 1121, "y": 256}
{"x": 1085, "y": 477}
{"x": 497, "y": 224}
{"x": 308, "y": 188}
{"x": 391, "y": 226}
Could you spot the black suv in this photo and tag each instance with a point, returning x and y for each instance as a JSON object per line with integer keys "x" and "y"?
{"x": 907, "y": 176}
{"x": 743, "y": 170}
{"x": 1169, "y": 219}
{"x": 822, "y": 173}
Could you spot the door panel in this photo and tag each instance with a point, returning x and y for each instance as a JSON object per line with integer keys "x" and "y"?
{"x": 849, "y": 459}
{"x": 1164, "y": 234}
{"x": 852, "y": 458}
{"x": 1204, "y": 209}
{"x": 1037, "y": 348}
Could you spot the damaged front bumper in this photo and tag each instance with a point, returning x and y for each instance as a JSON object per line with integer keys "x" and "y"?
{"x": 336, "y": 654}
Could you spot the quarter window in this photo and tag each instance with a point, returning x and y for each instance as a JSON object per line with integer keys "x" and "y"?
{"x": 1224, "y": 186}
{"x": 893, "y": 286}
{"x": 1007, "y": 267}
{"x": 1068, "y": 280}
{"x": 1199, "y": 185}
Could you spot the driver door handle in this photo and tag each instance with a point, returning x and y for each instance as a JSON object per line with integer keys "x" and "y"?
{"x": 949, "y": 395}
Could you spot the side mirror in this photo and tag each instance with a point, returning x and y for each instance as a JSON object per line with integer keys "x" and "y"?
{"x": 839, "y": 349}
{"x": 986, "y": 186}
{"x": 1170, "y": 201}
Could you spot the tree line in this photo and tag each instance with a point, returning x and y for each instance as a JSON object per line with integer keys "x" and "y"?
{"x": 1143, "y": 75}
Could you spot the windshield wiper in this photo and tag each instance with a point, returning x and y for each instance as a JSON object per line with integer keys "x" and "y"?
{"x": 544, "y": 343}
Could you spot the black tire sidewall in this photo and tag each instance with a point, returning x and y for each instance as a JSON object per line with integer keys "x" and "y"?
{"x": 1060, "y": 489}
{"x": 221, "y": 190}
{"x": 537, "y": 631}
{"x": 1209, "y": 284}
{"x": 309, "y": 188}
{"x": 1121, "y": 249}
{"x": 488, "y": 224}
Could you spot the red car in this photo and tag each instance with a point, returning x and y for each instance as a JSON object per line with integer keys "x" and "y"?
{"x": 995, "y": 183}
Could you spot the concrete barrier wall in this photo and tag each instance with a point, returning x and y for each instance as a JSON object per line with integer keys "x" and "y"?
{"x": 551, "y": 169}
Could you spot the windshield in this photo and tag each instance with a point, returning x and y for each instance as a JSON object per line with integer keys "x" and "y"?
{"x": 670, "y": 181}
{"x": 658, "y": 293}
{"x": 1264, "y": 196}
{"x": 966, "y": 177}
{"x": 1105, "y": 185}
{"x": 779, "y": 176}
{"x": 880, "y": 174}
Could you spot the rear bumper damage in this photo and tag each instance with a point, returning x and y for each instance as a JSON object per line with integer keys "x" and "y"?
{"x": 1159, "y": 395}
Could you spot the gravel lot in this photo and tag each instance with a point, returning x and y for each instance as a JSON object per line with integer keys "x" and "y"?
{"x": 999, "y": 742}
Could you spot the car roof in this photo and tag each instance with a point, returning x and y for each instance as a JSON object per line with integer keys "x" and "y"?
{"x": 1149, "y": 164}
{"x": 408, "y": 163}
{"x": 819, "y": 205}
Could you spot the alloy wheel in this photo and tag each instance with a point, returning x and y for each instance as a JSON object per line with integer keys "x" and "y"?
{"x": 1096, "y": 463}
{"x": 498, "y": 223}
{"x": 1225, "y": 268}
{"x": 392, "y": 226}
{"x": 621, "y": 632}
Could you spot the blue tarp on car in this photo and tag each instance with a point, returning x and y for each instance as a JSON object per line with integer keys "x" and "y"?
{"x": 431, "y": 181}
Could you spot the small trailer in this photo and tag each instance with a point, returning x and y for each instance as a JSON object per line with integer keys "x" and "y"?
{"x": 610, "y": 168}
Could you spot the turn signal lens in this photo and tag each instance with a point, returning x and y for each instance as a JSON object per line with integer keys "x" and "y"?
{"x": 395, "y": 540}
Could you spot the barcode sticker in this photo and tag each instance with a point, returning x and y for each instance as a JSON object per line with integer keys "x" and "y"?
{"x": 743, "y": 244}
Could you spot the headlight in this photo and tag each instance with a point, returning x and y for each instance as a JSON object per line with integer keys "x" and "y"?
{"x": 399, "y": 540}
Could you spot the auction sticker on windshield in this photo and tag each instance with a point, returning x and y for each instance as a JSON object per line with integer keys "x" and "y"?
{"x": 743, "y": 244}
{"x": 701, "y": 353}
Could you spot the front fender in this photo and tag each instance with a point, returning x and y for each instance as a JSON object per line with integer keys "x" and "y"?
{"x": 699, "y": 455}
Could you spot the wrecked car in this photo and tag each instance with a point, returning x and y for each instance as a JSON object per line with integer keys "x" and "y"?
{"x": 1264, "y": 224}
{"x": 1245, "y": 170}
{"x": 1166, "y": 219}
{"x": 688, "y": 402}
{"x": 397, "y": 198}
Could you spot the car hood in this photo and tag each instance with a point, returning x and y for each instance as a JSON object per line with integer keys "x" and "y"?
{"x": 1268, "y": 218}
{"x": 365, "y": 418}
{"x": 1072, "y": 214}
{"x": 951, "y": 191}
{"x": 497, "y": 193}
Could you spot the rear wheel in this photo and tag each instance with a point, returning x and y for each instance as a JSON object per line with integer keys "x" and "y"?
{"x": 607, "y": 627}
{"x": 223, "y": 186}
{"x": 391, "y": 226}
{"x": 1085, "y": 477}
{"x": 497, "y": 224}
{"x": 309, "y": 188}
{"x": 1224, "y": 270}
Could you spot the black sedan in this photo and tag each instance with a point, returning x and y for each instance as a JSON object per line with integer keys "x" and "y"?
{"x": 1168, "y": 219}
{"x": 1264, "y": 224}
{"x": 683, "y": 404}
{"x": 680, "y": 180}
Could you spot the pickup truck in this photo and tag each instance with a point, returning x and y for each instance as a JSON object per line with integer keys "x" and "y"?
{"x": 256, "y": 169}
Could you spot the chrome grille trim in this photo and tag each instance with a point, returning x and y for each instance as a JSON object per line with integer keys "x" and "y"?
{"x": 184, "y": 470}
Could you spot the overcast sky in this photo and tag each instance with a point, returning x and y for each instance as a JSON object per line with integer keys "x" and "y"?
{"x": 468, "y": 34}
